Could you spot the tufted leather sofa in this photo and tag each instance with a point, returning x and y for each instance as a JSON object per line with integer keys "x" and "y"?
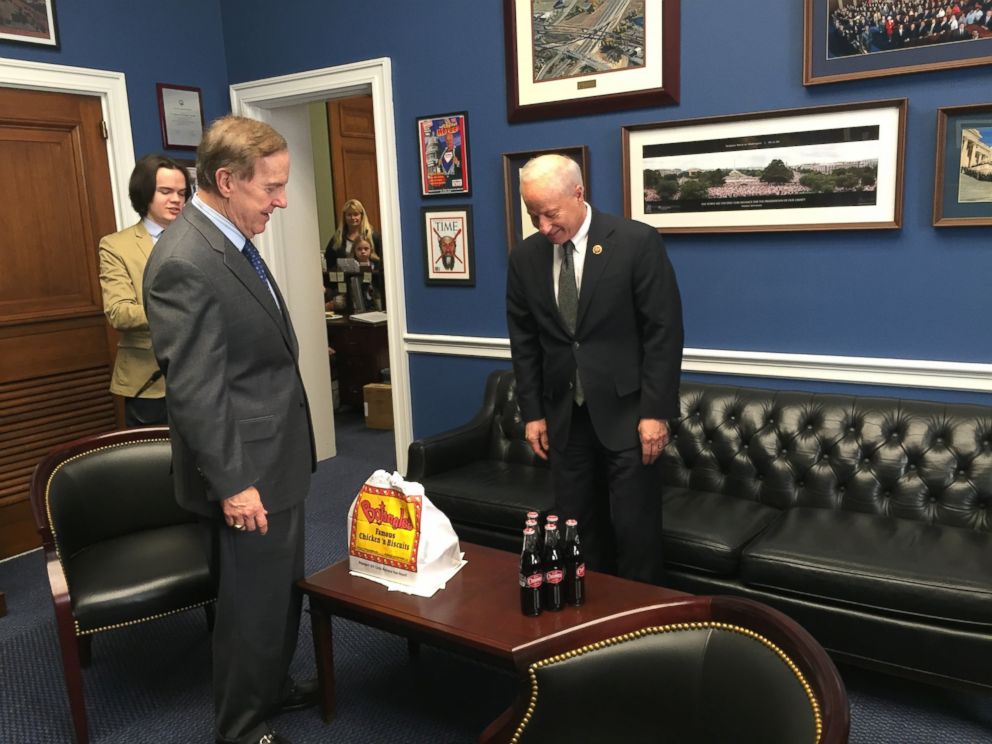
{"x": 867, "y": 520}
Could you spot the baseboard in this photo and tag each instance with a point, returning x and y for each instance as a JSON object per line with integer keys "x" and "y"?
{"x": 907, "y": 373}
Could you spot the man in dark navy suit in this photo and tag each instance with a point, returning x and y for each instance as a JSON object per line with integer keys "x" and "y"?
{"x": 595, "y": 324}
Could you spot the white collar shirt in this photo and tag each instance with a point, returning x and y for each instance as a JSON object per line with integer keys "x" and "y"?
{"x": 579, "y": 240}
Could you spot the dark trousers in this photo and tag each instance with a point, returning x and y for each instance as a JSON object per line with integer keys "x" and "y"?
{"x": 144, "y": 412}
{"x": 257, "y": 621}
{"x": 616, "y": 500}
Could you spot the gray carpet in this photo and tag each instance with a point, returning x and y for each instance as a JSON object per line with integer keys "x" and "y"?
{"x": 151, "y": 683}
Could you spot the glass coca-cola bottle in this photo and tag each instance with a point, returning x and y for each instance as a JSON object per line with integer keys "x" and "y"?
{"x": 575, "y": 565}
{"x": 554, "y": 570}
{"x": 531, "y": 574}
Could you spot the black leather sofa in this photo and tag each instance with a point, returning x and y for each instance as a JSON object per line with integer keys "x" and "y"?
{"x": 867, "y": 520}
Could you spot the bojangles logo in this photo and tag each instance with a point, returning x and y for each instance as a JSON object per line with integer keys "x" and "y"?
{"x": 379, "y": 515}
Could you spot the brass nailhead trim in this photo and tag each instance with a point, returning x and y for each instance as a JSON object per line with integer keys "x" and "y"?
{"x": 58, "y": 550}
{"x": 652, "y": 630}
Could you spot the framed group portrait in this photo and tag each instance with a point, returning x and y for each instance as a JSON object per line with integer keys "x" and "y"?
{"x": 823, "y": 168}
{"x": 29, "y": 22}
{"x": 962, "y": 194}
{"x": 518, "y": 224}
{"x": 853, "y": 40}
{"x": 568, "y": 58}
{"x": 442, "y": 141}
{"x": 449, "y": 251}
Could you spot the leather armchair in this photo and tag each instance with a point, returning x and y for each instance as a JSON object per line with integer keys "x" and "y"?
{"x": 118, "y": 548}
{"x": 707, "y": 670}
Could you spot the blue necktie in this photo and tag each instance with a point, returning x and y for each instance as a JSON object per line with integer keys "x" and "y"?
{"x": 255, "y": 259}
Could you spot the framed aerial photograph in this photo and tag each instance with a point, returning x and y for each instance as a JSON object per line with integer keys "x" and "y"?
{"x": 442, "y": 142}
{"x": 180, "y": 115}
{"x": 851, "y": 40}
{"x": 962, "y": 194}
{"x": 449, "y": 253}
{"x": 833, "y": 167}
{"x": 571, "y": 58}
{"x": 29, "y": 22}
{"x": 518, "y": 224}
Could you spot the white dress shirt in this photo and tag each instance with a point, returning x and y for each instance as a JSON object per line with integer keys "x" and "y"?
{"x": 579, "y": 240}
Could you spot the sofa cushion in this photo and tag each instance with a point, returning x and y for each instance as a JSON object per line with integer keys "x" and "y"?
{"x": 876, "y": 562}
{"x": 706, "y": 531}
{"x": 491, "y": 492}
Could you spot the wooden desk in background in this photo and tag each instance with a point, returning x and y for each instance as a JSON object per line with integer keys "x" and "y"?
{"x": 361, "y": 350}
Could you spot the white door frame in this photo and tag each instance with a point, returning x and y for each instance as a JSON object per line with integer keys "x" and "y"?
{"x": 111, "y": 88}
{"x": 256, "y": 99}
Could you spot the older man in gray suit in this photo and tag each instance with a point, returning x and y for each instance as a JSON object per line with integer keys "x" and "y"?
{"x": 242, "y": 438}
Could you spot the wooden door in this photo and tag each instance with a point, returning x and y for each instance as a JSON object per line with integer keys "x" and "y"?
{"x": 353, "y": 170}
{"x": 55, "y": 358}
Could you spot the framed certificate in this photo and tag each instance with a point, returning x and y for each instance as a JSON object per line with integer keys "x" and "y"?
{"x": 181, "y": 116}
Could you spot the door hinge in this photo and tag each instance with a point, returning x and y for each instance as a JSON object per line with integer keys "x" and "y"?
{"x": 104, "y": 130}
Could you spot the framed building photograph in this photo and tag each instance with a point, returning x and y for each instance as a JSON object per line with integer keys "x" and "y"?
{"x": 442, "y": 142}
{"x": 962, "y": 193}
{"x": 31, "y": 22}
{"x": 567, "y": 58}
{"x": 835, "y": 167}
{"x": 518, "y": 224}
{"x": 449, "y": 253}
{"x": 180, "y": 115}
{"x": 847, "y": 40}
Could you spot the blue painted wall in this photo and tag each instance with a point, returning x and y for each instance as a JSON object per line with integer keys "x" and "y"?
{"x": 179, "y": 42}
{"x": 914, "y": 293}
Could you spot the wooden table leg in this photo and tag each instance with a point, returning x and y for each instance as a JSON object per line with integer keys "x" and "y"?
{"x": 413, "y": 648}
{"x": 3, "y": 604}
{"x": 323, "y": 649}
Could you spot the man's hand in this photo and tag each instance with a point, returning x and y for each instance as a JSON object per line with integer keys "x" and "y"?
{"x": 246, "y": 509}
{"x": 536, "y": 433}
{"x": 654, "y": 438}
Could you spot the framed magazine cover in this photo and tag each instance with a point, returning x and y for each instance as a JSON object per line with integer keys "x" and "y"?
{"x": 449, "y": 251}
{"x": 442, "y": 141}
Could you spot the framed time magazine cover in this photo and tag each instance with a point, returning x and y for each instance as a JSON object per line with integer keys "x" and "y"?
{"x": 449, "y": 253}
{"x": 832, "y": 167}
{"x": 442, "y": 142}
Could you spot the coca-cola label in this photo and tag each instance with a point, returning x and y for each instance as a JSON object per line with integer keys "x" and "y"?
{"x": 580, "y": 570}
{"x": 555, "y": 576}
{"x": 533, "y": 581}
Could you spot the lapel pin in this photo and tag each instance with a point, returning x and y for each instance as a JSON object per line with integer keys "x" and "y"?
{"x": 597, "y": 249}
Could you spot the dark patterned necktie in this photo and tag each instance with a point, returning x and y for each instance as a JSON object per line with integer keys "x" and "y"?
{"x": 255, "y": 259}
{"x": 568, "y": 301}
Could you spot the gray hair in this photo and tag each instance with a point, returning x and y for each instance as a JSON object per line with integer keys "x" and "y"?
{"x": 554, "y": 169}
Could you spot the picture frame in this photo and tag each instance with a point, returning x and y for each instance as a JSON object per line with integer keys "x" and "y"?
{"x": 637, "y": 72}
{"x": 36, "y": 25}
{"x": 449, "y": 250}
{"x": 962, "y": 194}
{"x": 518, "y": 225}
{"x": 836, "y": 167}
{"x": 837, "y": 46}
{"x": 442, "y": 143}
{"x": 189, "y": 165}
{"x": 180, "y": 115}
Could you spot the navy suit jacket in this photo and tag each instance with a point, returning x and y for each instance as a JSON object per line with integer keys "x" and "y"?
{"x": 627, "y": 345}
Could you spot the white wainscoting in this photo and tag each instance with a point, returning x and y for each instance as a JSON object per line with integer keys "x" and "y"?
{"x": 907, "y": 373}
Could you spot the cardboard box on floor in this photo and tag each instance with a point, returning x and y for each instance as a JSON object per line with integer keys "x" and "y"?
{"x": 378, "y": 405}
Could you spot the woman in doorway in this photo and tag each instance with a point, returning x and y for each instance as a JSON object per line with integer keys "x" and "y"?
{"x": 159, "y": 188}
{"x": 354, "y": 224}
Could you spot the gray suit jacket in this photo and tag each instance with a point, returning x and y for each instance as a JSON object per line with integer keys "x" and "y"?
{"x": 627, "y": 345}
{"x": 238, "y": 412}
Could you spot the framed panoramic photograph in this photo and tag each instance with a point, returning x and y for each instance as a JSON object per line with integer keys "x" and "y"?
{"x": 851, "y": 40}
{"x": 833, "y": 167}
{"x": 962, "y": 194}
{"x": 180, "y": 115}
{"x": 29, "y": 22}
{"x": 518, "y": 224}
{"x": 442, "y": 142}
{"x": 449, "y": 253}
{"x": 567, "y": 58}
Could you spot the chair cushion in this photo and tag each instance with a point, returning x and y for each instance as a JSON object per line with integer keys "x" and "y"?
{"x": 707, "y": 531}
{"x": 876, "y": 562}
{"x": 491, "y": 492}
{"x": 137, "y": 576}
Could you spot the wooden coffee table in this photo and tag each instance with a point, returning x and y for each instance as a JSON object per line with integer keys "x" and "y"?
{"x": 477, "y": 614}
